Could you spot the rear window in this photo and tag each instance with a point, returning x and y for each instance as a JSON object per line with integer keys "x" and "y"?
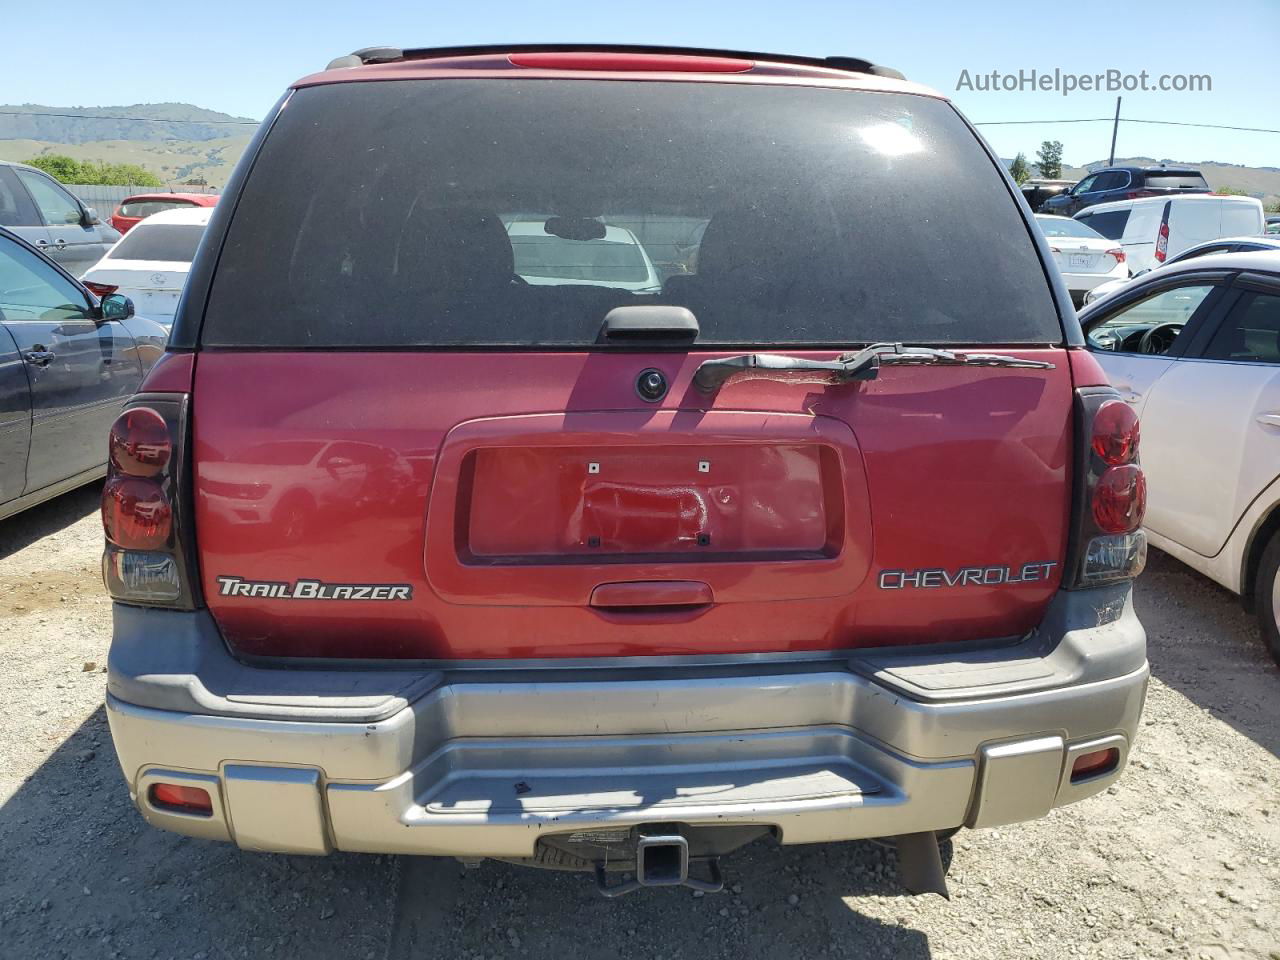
{"x": 1176, "y": 181}
{"x": 159, "y": 241}
{"x": 145, "y": 208}
{"x": 1062, "y": 227}
{"x": 541, "y": 256}
{"x": 777, "y": 215}
{"x": 1109, "y": 223}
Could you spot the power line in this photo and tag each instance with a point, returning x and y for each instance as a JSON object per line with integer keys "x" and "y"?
{"x": 1164, "y": 123}
{"x": 81, "y": 116}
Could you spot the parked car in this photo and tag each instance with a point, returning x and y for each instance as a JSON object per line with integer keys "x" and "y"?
{"x": 149, "y": 265}
{"x": 812, "y": 545}
{"x": 1194, "y": 348}
{"x": 133, "y": 210}
{"x": 1273, "y": 225}
{"x": 1153, "y": 230}
{"x": 1037, "y": 190}
{"x": 41, "y": 211}
{"x": 1125, "y": 183}
{"x": 615, "y": 259}
{"x": 1225, "y": 245}
{"x": 68, "y": 363}
{"x": 1085, "y": 257}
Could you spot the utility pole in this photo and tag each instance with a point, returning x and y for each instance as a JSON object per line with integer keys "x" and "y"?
{"x": 1115, "y": 128}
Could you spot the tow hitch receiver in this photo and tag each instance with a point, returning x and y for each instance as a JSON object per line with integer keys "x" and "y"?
{"x": 662, "y": 860}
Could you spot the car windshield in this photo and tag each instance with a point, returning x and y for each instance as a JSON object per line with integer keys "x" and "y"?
{"x": 159, "y": 241}
{"x": 1062, "y": 227}
{"x": 775, "y": 214}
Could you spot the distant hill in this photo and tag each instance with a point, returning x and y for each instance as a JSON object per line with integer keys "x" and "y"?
{"x": 153, "y": 122}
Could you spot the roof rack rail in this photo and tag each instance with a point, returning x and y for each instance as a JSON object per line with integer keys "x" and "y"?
{"x": 369, "y": 55}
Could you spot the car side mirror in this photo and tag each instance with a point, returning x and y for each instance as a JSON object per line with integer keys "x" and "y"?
{"x": 115, "y": 306}
{"x": 89, "y": 217}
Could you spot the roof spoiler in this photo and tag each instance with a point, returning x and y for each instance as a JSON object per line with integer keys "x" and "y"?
{"x": 369, "y": 55}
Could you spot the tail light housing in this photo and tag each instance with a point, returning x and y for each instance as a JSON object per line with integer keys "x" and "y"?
{"x": 1118, "y": 254}
{"x": 101, "y": 289}
{"x": 1162, "y": 242}
{"x": 144, "y": 505}
{"x": 1111, "y": 492}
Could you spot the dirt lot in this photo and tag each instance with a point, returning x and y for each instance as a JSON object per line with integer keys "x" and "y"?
{"x": 1181, "y": 859}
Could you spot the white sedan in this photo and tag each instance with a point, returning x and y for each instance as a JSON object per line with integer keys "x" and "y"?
{"x": 1225, "y": 245}
{"x": 1194, "y": 348}
{"x": 1085, "y": 257}
{"x": 149, "y": 264}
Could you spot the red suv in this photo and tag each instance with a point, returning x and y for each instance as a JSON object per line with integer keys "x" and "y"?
{"x": 421, "y": 547}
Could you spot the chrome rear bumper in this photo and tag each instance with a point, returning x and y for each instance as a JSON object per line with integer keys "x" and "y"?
{"x": 482, "y": 762}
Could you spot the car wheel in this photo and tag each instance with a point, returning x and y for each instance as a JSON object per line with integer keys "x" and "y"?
{"x": 1267, "y": 597}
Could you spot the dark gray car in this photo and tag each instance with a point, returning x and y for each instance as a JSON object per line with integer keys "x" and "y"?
{"x": 68, "y": 362}
{"x": 44, "y": 213}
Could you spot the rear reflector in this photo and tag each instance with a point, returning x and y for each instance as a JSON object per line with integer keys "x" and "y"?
{"x": 179, "y": 799}
{"x": 631, "y": 62}
{"x": 1094, "y": 764}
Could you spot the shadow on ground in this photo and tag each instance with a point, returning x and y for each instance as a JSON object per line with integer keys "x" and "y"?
{"x": 1203, "y": 645}
{"x": 84, "y": 877}
{"x": 52, "y": 516}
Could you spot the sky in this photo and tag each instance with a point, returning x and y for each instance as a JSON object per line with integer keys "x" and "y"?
{"x": 239, "y": 56}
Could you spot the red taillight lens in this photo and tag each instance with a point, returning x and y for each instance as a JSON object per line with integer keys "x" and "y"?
{"x": 171, "y": 796}
{"x": 1116, "y": 433}
{"x": 136, "y": 514}
{"x": 139, "y": 443}
{"x": 101, "y": 289}
{"x": 1118, "y": 254}
{"x": 1120, "y": 499}
{"x": 1162, "y": 243}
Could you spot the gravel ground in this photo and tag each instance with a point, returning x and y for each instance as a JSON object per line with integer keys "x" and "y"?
{"x": 1181, "y": 858}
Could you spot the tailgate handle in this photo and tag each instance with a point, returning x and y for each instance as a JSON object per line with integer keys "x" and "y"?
{"x": 652, "y": 593}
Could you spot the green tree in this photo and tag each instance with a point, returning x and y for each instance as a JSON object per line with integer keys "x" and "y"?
{"x": 70, "y": 170}
{"x": 57, "y": 165}
{"x": 1274, "y": 207}
{"x": 1049, "y": 159}
{"x": 1231, "y": 192}
{"x": 1019, "y": 169}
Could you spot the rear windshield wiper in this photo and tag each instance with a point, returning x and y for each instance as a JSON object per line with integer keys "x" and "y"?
{"x": 863, "y": 365}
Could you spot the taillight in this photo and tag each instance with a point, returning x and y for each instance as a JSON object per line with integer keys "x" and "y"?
{"x": 101, "y": 289}
{"x": 1120, "y": 499}
{"x": 1118, "y": 254}
{"x": 1162, "y": 242}
{"x": 142, "y": 506}
{"x": 136, "y": 513}
{"x": 1111, "y": 496}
